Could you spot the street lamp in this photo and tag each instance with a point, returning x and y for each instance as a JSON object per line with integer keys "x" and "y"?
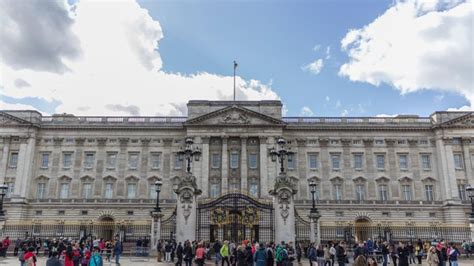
{"x": 470, "y": 192}
{"x": 312, "y": 188}
{"x": 281, "y": 153}
{"x": 189, "y": 153}
{"x": 158, "y": 185}
{"x": 3, "y": 192}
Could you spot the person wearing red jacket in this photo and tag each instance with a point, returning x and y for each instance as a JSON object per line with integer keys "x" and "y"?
{"x": 30, "y": 257}
{"x": 6, "y": 244}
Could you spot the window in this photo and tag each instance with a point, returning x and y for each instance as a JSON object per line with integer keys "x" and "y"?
{"x": 64, "y": 191}
{"x": 357, "y": 142}
{"x": 456, "y": 141}
{"x": 380, "y": 161}
{"x": 44, "y": 160}
{"x": 291, "y": 161}
{"x": 406, "y": 192}
{"x": 130, "y": 213}
{"x": 83, "y": 212}
{"x": 234, "y": 186}
{"x": 133, "y": 160}
{"x": 383, "y": 191}
{"x": 89, "y": 160}
{"x": 316, "y": 193}
{"x": 253, "y": 161}
{"x": 61, "y": 212}
{"x": 424, "y": 142}
{"x": 379, "y": 141}
{"x": 339, "y": 214}
{"x": 152, "y": 191}
{"x": 333, "y": 141}
{"x": 39, "y": 213}
{"x": 131, "y": 191}
{"x": 109, "y": 190}
{"x": 402, "y": 141}
{"x": 432, "y": 214}
{"x": 215, "y": 190}
{"x": 360, "y": 192}
{"x": 385, "y": 214}
{"x": 337, "y": 192}
{"x": 234, "y": 160}
{"x": 358, "y": 160}
{"x": 408, "y": 214}
{"x": 41, "y": 191}
{"x": 178, "y": 161}
{"x": 313, "y": 161}
{"x": 462, "y": 191}
{"x": 429, "y": 192}
{"x": 426, "y": 161}
{"x": 336, "y": 161}
{"x": 67, "y": 159}
{"x": 111, "y": 160}
{"x": 13, "y": 160}
{"x": 87, "y": 190}
{"x": 10, "y": 189}
{"x": 403, "y": 161}
{"x": 215, "y": 160}
{"x": 458, "y": 161}
{"x": 69, "y": 140}
{"x": 253, "y": 190}
{"x": 155, "y": 160}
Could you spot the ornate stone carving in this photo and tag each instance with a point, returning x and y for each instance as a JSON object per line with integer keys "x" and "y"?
{"x": 301, "y": 142}
{"x": 145, "y": 141}
{"x": 412, "y": 142}
{"x": 58, "y": 141}
{"x": 346, "y": 142}
{"x": 101, "y": 141}
{"x": 368, "y": 142}
{"x": 186, "y": 199}
{"x": 390, "y": 142}
{"x": 80, "y": 141}
{"x": 323, "y": 142}
{"x": 285, "y": 182}
{"x": 235, "y": 117}
{"x": 123, "y": 141}
{"x": 167, "y": 142}
{"x": 284, "y": 199}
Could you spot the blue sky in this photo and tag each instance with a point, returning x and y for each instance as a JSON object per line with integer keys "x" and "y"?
{"x": 272, "y": 41}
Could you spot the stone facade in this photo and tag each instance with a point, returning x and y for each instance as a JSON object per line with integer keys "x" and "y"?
{"x": 399, "y": 169}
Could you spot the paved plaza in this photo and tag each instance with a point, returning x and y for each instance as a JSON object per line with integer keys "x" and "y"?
{"x": 134, "y": 261}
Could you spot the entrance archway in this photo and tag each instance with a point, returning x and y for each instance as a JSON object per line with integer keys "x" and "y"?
{"x": 362, "y": 228}
{"x": 106, "y": 228}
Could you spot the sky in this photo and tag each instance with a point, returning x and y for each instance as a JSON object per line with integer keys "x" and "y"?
{"x": 320, "y": 58}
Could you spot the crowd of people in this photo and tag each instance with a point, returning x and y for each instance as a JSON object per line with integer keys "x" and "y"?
{"x": 65, "y": 251}
{"x": 94, "y": 252}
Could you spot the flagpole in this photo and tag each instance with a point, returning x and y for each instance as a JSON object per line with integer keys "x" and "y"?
{"x": 235, "y": 67}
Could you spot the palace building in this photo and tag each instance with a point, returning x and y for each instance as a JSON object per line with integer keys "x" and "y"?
{"x": 73, "y": 175}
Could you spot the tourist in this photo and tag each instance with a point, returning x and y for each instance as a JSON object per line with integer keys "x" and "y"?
{"x": 96, "y": 258}
{"x": 466, "y": 247}
{"x": 312, "y": 255}
{"x": 453, "y": 255}
{"x": 240, "y": 256}
{"x": 108, "y": 250}
{"x": 332, "y": 251}
{"x": 248, "y": 253}
{"x": 54, "y": 260}
{"x": 411, "y": 252}
{"x": 359, "y": 250}
{"x": 68, "y": 256}
{"x": 138, "y": 246}
{"x": 18, "y": 245}
{"x": 118, "y": 249}
{"x": 419, "y": 253}
{"x": 188, "y": 253}
{"x": 299, "y": 252}
{"x": 216, "y": 247}
{"x": 159, "y": 246}
{"x": 385, "y": 252}
{"x": 30, "y": 257}
{"x": 403, "y": 253}
{"x": 168, "y": 249}
{"x": 393, "y": 254}
{"x": 260, "y": 256}
{"x": 269, "y": 254}
{"x": 360, "y": 260}
{"x": 371, "y": 262}
{"x": 21, "y": 254}
{"x": 179, "y": 254}
{"x": 441, "y": 251}
{"x": 200, "y": 254}
{"x": 5, "y": 245}
{"x": 327, "y": 255}
{"x": 224, "y": 252}
{"x": 341, "y": 254}
{"x": 432, "y": 257}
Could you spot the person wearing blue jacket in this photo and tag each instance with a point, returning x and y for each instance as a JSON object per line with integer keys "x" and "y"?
{"x": 260, "y": 256}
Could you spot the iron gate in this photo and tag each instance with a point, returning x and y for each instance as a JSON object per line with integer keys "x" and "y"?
{"x": 235, "y": 216}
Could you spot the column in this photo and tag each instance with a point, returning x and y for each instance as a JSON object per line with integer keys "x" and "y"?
{"x": 243, "y": 165}
{"x": 263, "y": 167}
{"x": 25, "y": 166}
{"x": 205, "y": 167}
{"x": 446, "y": 169}
{"x": 283, "y": 204}
{"x": 168, "y": 161}
{"x": 186, "y": 213}
{"x": 101, "y": 166}
{"x": 4, "y": 160}
{"x": 315, "y": 234}
{"x": 225, "y": 166}
{"x": 467, "y": 160}
{"x": 155, "y": 229}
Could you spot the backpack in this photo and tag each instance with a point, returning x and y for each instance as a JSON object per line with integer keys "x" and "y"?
{"x": 284, "y": 254}
{"x": 269, "y": 253}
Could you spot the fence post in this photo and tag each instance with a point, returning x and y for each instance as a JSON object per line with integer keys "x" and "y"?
{"x": 155, "y": 229}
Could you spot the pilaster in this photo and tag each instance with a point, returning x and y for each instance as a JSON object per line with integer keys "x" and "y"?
{"x": 225, "y": 165}
{"x": 466, "y": 142}
{"x": 25, "y": 166}
{"x": 263, "y": 167}
{"x": 4, "y": 159}
{"x": 205, "y": 166}
{"x": 243, "y": 166}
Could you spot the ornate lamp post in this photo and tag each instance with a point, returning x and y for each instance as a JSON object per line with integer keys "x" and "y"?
{"x": 314, "y": 216}
{"x": 3, "y": 192}
{"x": 156, "y": 216}
{"x": 470, "y": 192}
{"x": 158, "y": 185}
{"x": 281, "y": 153}
{"x": 189, "y": 152}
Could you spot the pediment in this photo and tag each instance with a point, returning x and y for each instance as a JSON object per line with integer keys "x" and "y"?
{"x": 235, "y": 116}
{"x": 10, "y": 120}
{"x": 464, "y": 121}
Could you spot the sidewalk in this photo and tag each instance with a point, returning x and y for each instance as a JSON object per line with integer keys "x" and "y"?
{"x": 140, "y": 261}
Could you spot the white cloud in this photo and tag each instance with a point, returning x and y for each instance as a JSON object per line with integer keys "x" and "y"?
{"x": 344, "y": 112}
{"x": 306, "y": 111}
{"x": 314, "y": 67}
{"x": 328, "y": 52}
{"x": 119, "y": 71}
{"x": 415, "y": 45}
{"x": 438, "y": 98}
{"x": 316, "y": 47}
{"x": 327, "y": 99}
